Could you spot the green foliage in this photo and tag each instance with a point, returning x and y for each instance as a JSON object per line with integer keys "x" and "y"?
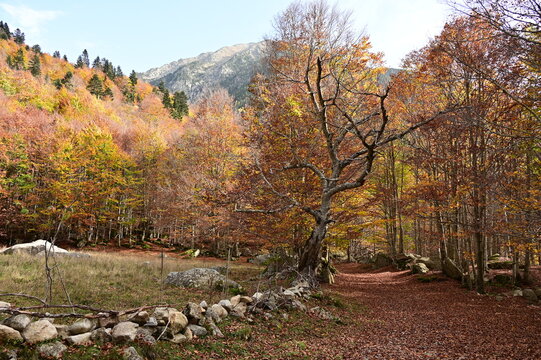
{"x": 35, "y": 65}
{"x": 95, "y": 86}
{"x": 17, "y": 61}
{"x": 133, "y": 78}
{"x": 5, "y": 34}
{"x": 18, "y": 36}
{"x": 65, "y": 81}
{"x": 180, "y": 105}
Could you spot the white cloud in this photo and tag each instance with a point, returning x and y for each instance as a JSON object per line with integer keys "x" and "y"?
{"x": 28, "y": 19}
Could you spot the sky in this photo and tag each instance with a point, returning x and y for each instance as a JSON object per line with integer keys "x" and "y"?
{"x": 141, "y": 34}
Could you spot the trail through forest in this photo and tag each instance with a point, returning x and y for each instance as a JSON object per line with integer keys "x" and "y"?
{"x": 407, "y": 319}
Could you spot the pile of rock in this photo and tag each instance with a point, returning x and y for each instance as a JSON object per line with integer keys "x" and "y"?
{"x": 533, "y": 296}
{"x": 162, "y": 323}
{"x": 201, "y": 278}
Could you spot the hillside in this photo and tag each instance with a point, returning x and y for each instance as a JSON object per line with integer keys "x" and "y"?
{"x": 230, "y": 67}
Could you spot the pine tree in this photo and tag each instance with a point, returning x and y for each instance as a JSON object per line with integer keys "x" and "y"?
{"x": 56, "y": 54}
{"x": 65, "y": 58}
{"x": 95, "y": 86}
{"x": 166, "y": 100}
{"x": 180, "y": 105}
{"x": 107, "y": 92}
{"x": 35, "y": 66}
{"x": 80, "y": 63}
{"x": 18, "y": 62}
{"x": 97, "y": 63}
{"x": 18, "y": 36}
{"x": 161, "y": 86}
{"x": 85, "y": 58}
{"x": 133, "y": 78}
{"x": 37, "y": 49}
{"x": 118, "y": 72}
{"x": 108, "y": 69}
{"x": 4, "y": 31}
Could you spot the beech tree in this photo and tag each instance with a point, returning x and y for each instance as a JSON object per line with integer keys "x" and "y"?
{"x": 322, "y": 113}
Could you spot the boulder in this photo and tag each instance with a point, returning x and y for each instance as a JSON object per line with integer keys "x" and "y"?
{"x": 500, "y": 264}
{"x": 140, "y": 318}
{"x": 529, "y": 295}
{"x": 4, "y": 305}
{"x": 108, "y": 321}
{"x": 226, "y": 304}
{"x": 219, "y": 310}
{"x": 517, "y": 292}
{"x": 452, "y": 270}
{"x": 538, "y": 292}
{"x": 193, "y": 312}
{"x": 124, "y": 332}
{"x": 62, "y": 330}
{"x": 197, "y": 330}
{"x": 188, "y": 333}
{"x": 430, "y": 264}
{"x": 81, "y": 326}
{"x": 80, "y": 339}
{"x": 419, "y": 268}
{"x": 101, "y": 335}
{"x": 382, "y": 260}
{"x": 33, "y": 248}
{"x": 52, "y": 350}
{"x": 41, "y": 330}
{"x": 18, "y": 322}
{"x": 200, "y": 278}
{"x": 239, "y": 310}
{"x": 7, "y": 333}
{"x": 162, "y": 314}
{"x": 131, "y": 354}
{"x": 203, "y": 304}
{"x": 177, "y": 321}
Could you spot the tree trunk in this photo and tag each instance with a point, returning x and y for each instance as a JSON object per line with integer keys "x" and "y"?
{"x": 309, "y": 257}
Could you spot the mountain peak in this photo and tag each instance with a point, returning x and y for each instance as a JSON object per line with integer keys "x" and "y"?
{"x": 230, "y": 67}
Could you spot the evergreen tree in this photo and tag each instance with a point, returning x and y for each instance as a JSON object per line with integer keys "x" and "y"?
{"x": 85, "y": 58}
{"x": 95, "y": 86}
{"x": 133, "y": 78}
{"x": 107, "y": 92}
{"x": 65, "y": 81}
{"x": 118, "y": 72}
{"x": 97, "y": 63}
{"x": 65, "y": 58}
{"x": 108, "y": 69}
{"x": 35, "y": 65}
{"x": 161, "y": 86}
{"x": 80, "y": 63}
{"x": 37, "y": 49}
{"x": 18, "y": 36}
{"x": 180, "y": 105}
{"x": 166, "y": 100}
{"x": 5, "y": 34}
{"x": 56, "y": 54}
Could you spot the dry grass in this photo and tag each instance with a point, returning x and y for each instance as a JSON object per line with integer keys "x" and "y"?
{"x": 113, "y": 281}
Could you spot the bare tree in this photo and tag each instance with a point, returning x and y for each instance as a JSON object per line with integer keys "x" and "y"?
{"x": 323, "y": 110}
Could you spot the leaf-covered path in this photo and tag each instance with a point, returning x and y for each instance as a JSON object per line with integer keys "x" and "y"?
{"x": 407, "y": 319}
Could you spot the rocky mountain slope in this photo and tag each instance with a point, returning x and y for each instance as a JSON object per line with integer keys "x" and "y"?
{"x": 230, "y": 67}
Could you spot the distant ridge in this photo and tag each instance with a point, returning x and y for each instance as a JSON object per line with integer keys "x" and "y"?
{"x": 230, "y": 67}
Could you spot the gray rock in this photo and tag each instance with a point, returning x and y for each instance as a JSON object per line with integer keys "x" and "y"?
{"x": 177, "y": 321}
{"x": 517, "y": 292}
{"x": 203, "y": 304}
{"x": 178, "y": 338}
{"x": 201, "y": 278}
{"x": 226, "y": 304}
{"x": 131, "y": 354}
{"x": 188, "y": 333}
{"x": 80, "y": 339}
{"x": 18, "y": 322}
{"x": 144, "y": 336}
{"x": 62, "y": 330}
{"x": 419, "y": 268}
{"x": 538, "y": 292}
{"x": 140, "y": 318}
{"x": 239, "y": 310}
{"x": 4, "y": 305}
{"x": 10, "y": 355}
{"x": 33, "y": 248}
{"x": 152, "y": 322}
{"x": 124, "y": 332}
{"x": 52, "y": 350}
{"x": 7, "y": 333}
{"x": 219, "y": 310}
{"x": 261, "y": 260}
{"x": 193, "y": 312}
{"x": 215, "y": 330}
{"x": 108, "y": 322}
{"x": 529, "y": 295}
{"x": 322, "y": 313}
{"x": 382, "y": 260}
{"x": 197, "y": 330}
{"x": 81, "y": 326}
{"x": 452, "y": 270}
{"x": 41, "y": 330}
{"x": 101, "y": 335}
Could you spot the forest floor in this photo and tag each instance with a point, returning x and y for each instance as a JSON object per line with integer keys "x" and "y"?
{"x": 384, "y": 314}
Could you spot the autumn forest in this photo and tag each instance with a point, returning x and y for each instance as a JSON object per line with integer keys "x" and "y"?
{"x": 332, "y": 151}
